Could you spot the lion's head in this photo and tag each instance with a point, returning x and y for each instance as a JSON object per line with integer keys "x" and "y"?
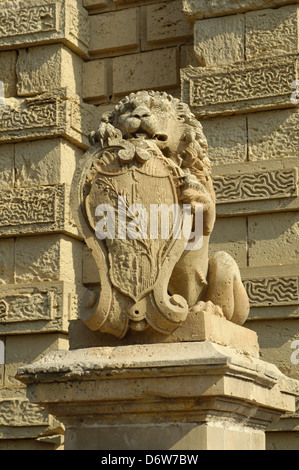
{"x": 167, "y": 121}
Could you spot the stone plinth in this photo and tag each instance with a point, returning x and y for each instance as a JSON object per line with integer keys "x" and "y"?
{"x": 189, "y": 395}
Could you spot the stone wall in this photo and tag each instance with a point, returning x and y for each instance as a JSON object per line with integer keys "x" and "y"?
{"x": 63, "y": 63}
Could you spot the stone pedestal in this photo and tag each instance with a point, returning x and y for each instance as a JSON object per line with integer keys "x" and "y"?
{"x": 187, "y": 395}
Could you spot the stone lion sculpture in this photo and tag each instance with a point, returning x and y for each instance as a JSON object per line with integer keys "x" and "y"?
{"x": 212, "y": 283}
{"x": 151, "y": 148}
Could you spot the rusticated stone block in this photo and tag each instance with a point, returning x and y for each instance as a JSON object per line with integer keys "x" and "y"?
{"x": 275, "y": 339}
{"x": 197, "y": 9}
{"x": 220, "y": 41}
{"x": 227, "y": 139}
{"x": 272, "y": 135}
{"x": 96, "y": 79}
{"x": 256, "y": 186}
{"x": 114, "y": 31}
{"x": 272, "y": 32}
{"x": 8, "y": 72}
{"x": 47, "y": 115}
{"x": 165, "y": 23}
{"x": 230, "y": 235}
{"x": 45, "y": 162}
{"x": 245, "y": 87}
{"x": 35, "y": 210}
{"x": 42, "y": 307}
{"x": 7, "y": 176}
{"x": 36, "y": 22}
{"x": 273, "y": 239}
{"x": 6, "y": 261}
{"x": 136, "y": 71}
{"x": 45, "y": 68}
{"x": 18, "y": 352}
{"x": 48, "y": 258}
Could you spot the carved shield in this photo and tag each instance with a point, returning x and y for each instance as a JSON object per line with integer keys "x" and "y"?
{"x": 135, "y": 255}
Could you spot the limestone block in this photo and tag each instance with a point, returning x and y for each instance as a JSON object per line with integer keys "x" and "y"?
{"x": 229, "y": 235}
{"x": 96, "y": 79}
{"x": 165, "y": 23}
{"x": 148, "y": 70}
{"x": 34, "y": 210}
{"x": 36, "y": 22}
{"x": 37, "y": 307}
{"x": 187, "y": 56}
{"x": 197, "y": 9}
{"x": 227, "y": 139}
{"x": 45, "y": 68}
{"x": 47, "y": 116}
{"x": 273, "y": 135}
{"x": 273, "y": 239}
{"x": 282, "y": 440}
{"x": 7, "y": 176}
{"x": 23, "y": 349}
{"x": 275, "y": 339}
{"x": 107, "y": 39}
{"x": 245, "y": 87}
{"x": 45, "y": 162}
{"x": 8, "y": 72}
{"x": 220, "y": 41}
{"x": 272, "y": 32}
{"x": 6, "y": 261}
{"x": 47, "y": 258}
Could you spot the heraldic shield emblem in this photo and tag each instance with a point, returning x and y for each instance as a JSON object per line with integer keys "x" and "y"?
{"x": 127, "y": 200}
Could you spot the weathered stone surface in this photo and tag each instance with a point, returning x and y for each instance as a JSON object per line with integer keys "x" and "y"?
{"x": 7, "y": 177}
{"x": 273, "y": 239}
{"x": 106, "y": 39}
{"x": 230, "y": 235}
{"x": 135, "y": 71}
{"x": 275, "y": 339}
{"x": 6, "y": 261}
{"x": 165, "y": 23}
{"x": 217, "y": 379}
{"x": 97, "y": 80}
{"x": 197, "y": 9}
{"x": 220, "y": 41}
{"x": 246, "y": 87}
{"x": 227, "y": 139}
{"x": 40, "y": 22}
{"x": 18, "y": 352}
{"x": 47, "y": 115}
{"x": 272, "y": 135}
{"x": 45, "y": 162}
{"x": 272, "y": 32}
{"x": 46, "y": 68}
{"x": 40, "y": 307}
{"x": 8, "y": 72}
{"x": 47, "y": 258}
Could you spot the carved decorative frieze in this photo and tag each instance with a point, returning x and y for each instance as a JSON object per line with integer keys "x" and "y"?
{"x": 272, "y": 291}
{"x": 238, "y": 88}
{"x": 46, "y": 115}
{"x": 256, "y": 186}
{"x": 40, "y": 307}
{"x": 57, "y": 21}
{"x": 35, "y": 210}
